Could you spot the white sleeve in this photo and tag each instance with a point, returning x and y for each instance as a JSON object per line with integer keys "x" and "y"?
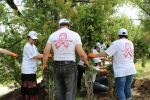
{"x": 78, "y": 41}
{"x": 31, "y": 52}
{"x": 111, "y": 50}
{"x": 49, "y": 40}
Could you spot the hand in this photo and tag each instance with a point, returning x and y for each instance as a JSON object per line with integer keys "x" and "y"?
{"x": 14, "y": 55}
{"x": 91, "y": 55}
{"x": 50, "y": 55}
{"x": 44, "y": 66}
{"x": 87, "y": 63}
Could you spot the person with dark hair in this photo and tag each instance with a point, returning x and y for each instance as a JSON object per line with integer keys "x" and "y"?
{"x": 4, "y": 51}
{"x": 122, "y": 51}
{"x": 29, "y": 89}
{"x": 64, "y": 43}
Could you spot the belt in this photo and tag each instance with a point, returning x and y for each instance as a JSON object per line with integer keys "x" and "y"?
{"x": 63, "y": 62}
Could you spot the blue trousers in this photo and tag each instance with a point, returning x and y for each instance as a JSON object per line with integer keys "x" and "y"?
{"x": 65, "y": 80}
{"x": 123, "y": 87}
{"x": 100, "y": 84}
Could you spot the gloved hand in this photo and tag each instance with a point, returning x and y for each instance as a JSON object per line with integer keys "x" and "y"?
{"x": 14, "y": 55}
{"x": 50, "y": 55}
{"x": 91, "y": 55}
{"x": 87, "y": 63}
{"x": 44, "y": 66}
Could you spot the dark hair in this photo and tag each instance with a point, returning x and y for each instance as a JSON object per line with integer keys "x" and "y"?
{"x": 95, "y": 47}
{"x": 64, "y": 24}
{"x": 123, "y": 36}
{"x": 28, "y": 37}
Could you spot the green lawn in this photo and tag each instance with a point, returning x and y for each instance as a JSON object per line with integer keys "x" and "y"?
{"x": 142, "y": 72}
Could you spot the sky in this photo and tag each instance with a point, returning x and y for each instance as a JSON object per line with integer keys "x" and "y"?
{"x": 131, "y": 12}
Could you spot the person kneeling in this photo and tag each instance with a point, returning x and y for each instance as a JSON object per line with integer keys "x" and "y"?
{"x": 99, "y": 83}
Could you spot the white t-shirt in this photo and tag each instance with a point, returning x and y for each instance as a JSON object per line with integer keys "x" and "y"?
{"x": 29, "y": 65}
{"x": 94, "y": 75}
{"x": 63, "y": 43}
{"x": 122, "y": 51}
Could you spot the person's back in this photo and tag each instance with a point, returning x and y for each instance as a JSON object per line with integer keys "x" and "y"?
{"x": 63, "y": 44}
{"x": 123, "y": 57}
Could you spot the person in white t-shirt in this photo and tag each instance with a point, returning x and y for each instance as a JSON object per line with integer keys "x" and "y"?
{"x": 99, "y": 83}
{"x": 29, "y": 87}
{"x": 64, "y": 42}
{"x": 122, "y": 51}
{"x": 5, "y": 51}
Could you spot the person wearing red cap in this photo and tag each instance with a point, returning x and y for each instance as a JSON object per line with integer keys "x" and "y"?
{"x": 64, "y": 43}
{"x": 122, "y": 51}
{"x": 29, "y": 89}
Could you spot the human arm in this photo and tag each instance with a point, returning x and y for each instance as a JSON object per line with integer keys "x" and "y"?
{"x": 102, "y": 54}
{"x": 39, "y": 56}
{"x": 8, "y": 52}
{"x": 103, "y": 71}
{"x": 46, "y": 54}
{"x": 81, "y": 53}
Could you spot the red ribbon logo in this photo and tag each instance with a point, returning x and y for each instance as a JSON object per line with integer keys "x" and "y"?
{"x": 128, "y": 50}
{"x": 62, "y": 39}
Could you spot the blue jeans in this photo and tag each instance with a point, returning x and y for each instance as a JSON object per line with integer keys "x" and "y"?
{"x": 100, "y": 84}
{"x": 65, "y": 80}
{"x": 123, "y": 87}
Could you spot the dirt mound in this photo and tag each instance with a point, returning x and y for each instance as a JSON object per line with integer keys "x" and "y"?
{"x": 140, "y": 87}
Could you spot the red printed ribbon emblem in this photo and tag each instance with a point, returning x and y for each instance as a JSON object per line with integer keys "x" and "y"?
{"x": 128, "y": 50}
{"x": 62, "y": 39}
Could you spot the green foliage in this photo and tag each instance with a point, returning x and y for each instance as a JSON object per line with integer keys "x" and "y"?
{"x": 111, "y": 76}
{"x": 91, "y": 20}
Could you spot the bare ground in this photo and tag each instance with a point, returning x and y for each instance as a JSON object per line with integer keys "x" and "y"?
{"x": 140, "y": 89}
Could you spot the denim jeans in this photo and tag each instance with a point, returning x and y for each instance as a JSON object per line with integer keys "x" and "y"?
{"x": 100, "y": 85}
{"x": 123, "y": 87}
{"x": 65, "y": 80}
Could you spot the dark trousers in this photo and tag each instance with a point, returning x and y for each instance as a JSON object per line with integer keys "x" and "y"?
{"x": 65, "y": 80}
{"x": 100, "y": 84}
{"x": 80, "y": 75}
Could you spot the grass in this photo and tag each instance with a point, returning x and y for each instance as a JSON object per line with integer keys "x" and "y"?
{"x": 142, "y": 72}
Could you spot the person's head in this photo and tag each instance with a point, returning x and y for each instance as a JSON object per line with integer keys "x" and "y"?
{"x": 32, "y": 37}
{"x": 97, "y": 47}
{"x": 123, "y": 33}
{"x": 64, "y": 23}
{"x": 97, "y": 61}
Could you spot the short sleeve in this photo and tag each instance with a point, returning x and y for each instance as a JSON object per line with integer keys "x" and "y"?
{"x": 31, "y": 52}
{"x": 111, "y": 50}
{"x": 49, "y": 39}
{"x": 78, "y": 39}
